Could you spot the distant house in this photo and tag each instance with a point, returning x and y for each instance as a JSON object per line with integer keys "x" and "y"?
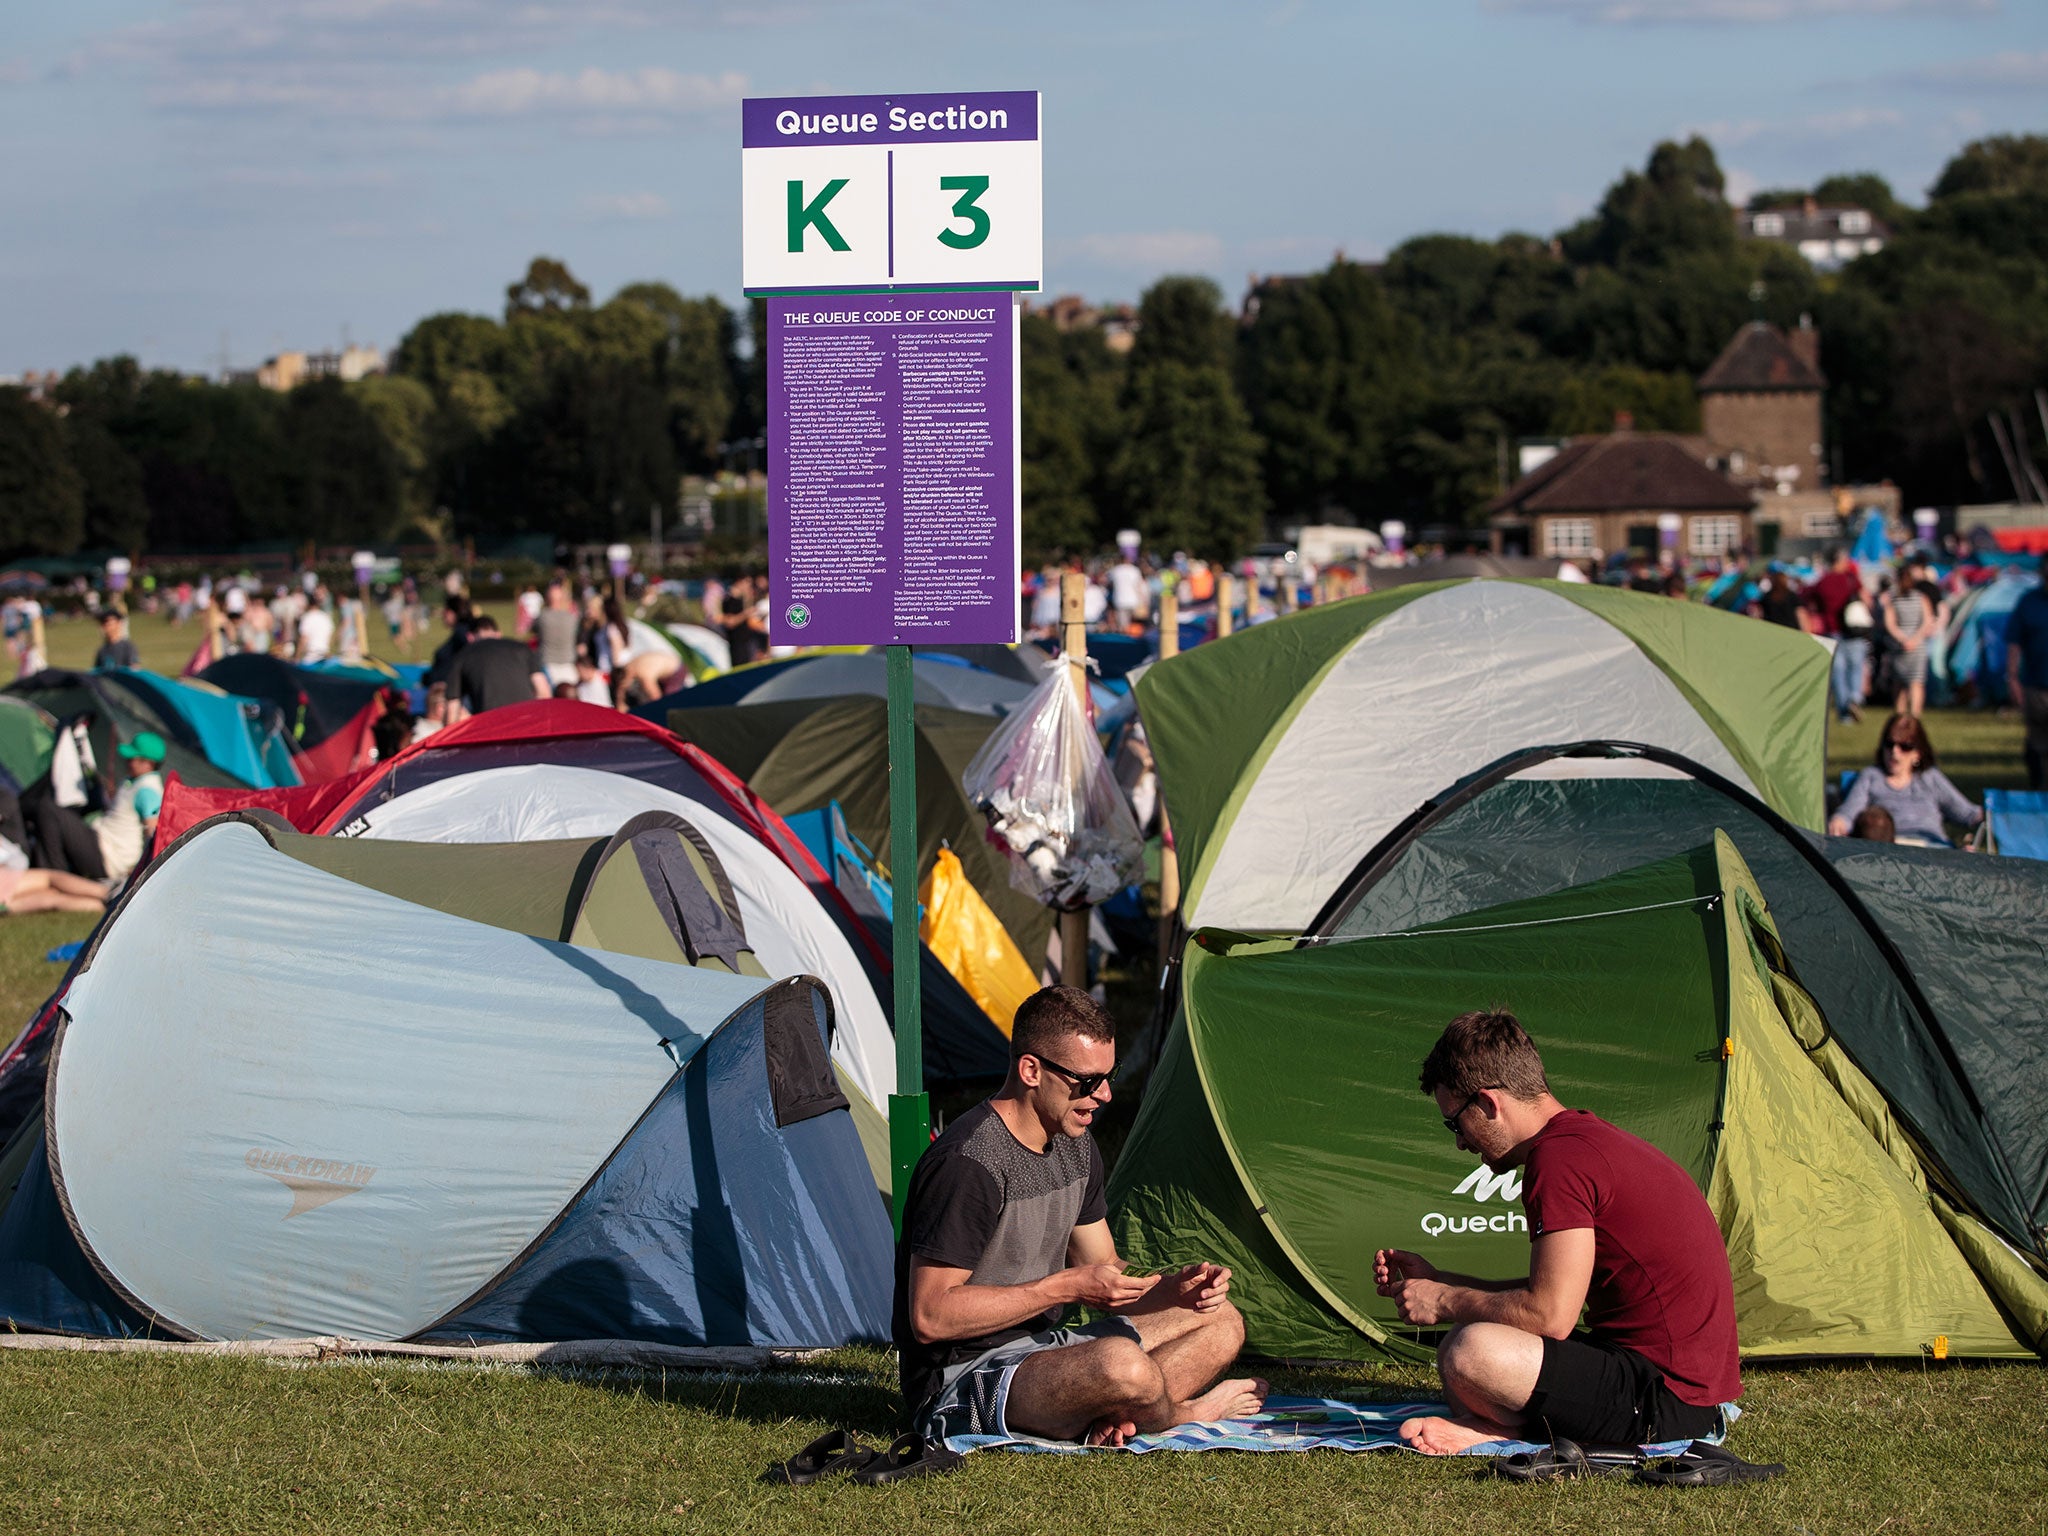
{"x": 1827, "y": 237}
{"x": 1760, "y": 408}
{"x": 1600, "y": 495}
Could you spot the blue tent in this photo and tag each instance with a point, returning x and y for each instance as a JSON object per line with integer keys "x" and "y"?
{"x": 288, "y": 1102}
{"x": 242, "y": 736}
{"x": 1973, "y": 650}
{"x": 961, "y": 1045}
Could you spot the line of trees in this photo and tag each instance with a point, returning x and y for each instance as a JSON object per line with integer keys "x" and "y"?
{"x": 1367, "y": 391}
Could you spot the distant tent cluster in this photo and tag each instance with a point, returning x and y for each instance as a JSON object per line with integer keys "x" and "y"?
{"x": 1598, "y": 809}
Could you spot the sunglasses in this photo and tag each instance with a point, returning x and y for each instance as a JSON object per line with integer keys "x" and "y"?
{"x": 1900, "y": 746}
{"x": 1084, "y": 1083}
{"x": 1451, "y": 1120}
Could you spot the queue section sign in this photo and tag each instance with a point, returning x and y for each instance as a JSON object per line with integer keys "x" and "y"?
{"x": 916, "y": 193}
{"x": 894, "y": 477}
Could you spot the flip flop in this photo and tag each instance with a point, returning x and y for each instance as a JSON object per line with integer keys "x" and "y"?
{"x": 831, "y": 1453}
{"x": 1566, "y": 1459}
{"x": 1707, "y": 1466}
{"x": 909, "y": 1456}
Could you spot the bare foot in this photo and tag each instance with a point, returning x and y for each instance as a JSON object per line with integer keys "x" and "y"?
{"x": 1444, "y": 1437}
{"x": 1228, "y": 1400}
{"x": 1109, "y": 1432}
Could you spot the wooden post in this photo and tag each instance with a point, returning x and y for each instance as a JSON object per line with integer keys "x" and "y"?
{"x": 1074, "y": 649}
{"x": 1225, "y": 598}
{"x": 1169, "y": 858}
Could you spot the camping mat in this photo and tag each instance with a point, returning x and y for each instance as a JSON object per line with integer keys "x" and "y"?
{"x": 1298, "y": 1424}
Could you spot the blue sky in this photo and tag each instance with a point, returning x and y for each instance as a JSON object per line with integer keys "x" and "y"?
{"x": 270, "y": 171}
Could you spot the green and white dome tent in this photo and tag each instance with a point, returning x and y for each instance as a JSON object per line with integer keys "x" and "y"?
{"x": 1288, "y": 751}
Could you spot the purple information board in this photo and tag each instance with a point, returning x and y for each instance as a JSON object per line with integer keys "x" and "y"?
{"x": 893, "y": 475}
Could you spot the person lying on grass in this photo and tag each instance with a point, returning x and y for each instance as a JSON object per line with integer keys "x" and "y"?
{"x": 1005, "y": 1227}
{"x": 1616, "y": 1228}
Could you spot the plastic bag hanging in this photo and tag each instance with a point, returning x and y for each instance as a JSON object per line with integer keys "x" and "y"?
{"x": 1052, "y": 803}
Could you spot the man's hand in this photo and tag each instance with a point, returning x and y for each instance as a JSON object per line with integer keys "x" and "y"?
{"x": 1390, "y": 1266}
{"x": 1201, "y": 1287}
{"x": 1106, "y": 1287}
{"x": 1419, "y": 1301}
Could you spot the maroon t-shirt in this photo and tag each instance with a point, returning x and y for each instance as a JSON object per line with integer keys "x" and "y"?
{"x": 1831, "y": 594}
{"x": 1660, "y": 1269}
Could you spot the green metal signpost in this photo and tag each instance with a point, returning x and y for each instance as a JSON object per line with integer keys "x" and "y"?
{"x": 910, "y": 1114}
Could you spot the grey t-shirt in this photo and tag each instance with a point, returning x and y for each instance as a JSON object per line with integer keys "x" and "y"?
{"x": 982, "y": 1201}
{"x": 556, "y": 629}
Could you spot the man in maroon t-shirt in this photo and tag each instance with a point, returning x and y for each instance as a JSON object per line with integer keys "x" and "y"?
{"x": 1616, "y": 1228}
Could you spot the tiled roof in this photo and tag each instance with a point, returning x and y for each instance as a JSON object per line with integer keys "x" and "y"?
{"x": 1760, "y": 359}
{"x": 1622, "y": 472}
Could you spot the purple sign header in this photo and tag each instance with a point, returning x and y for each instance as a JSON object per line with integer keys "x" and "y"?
{"x": 892, "y": 469}
{"x": 971, "y": 117}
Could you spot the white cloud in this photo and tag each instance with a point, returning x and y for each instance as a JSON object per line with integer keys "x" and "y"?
{"x": 16, "y": 72}
{"x": 626, "y": 205}
{"x": 1852, "y": 122}
{"x": 1149, "y": 250}
{"x": 1995, "y": 72}
{"x": 1653, "y": 12}
{"x": 515, "y": 92}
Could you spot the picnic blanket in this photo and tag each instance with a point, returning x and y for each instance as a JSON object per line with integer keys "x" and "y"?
{"x": 1298, "y": 1424}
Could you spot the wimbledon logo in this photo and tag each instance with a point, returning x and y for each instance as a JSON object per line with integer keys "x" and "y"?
{"x": 1482, "y": 1185}
{"x": 796, "y": 615}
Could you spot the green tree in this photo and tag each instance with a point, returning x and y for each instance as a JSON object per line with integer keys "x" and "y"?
{"x": 42, "y": 499}
{"x": 2002, "y": 165}
{"x": 442, "y": 347}
{"x": 691, "y": 359}
{"x": 1866, "y": 190}
{"x": 116, "y": 512}
{"x": 1332, "y": 374}
{"x": 404, "y": 412}
{"x": 548, "y": 286}
{"x": 345, "y": 481}
{"x": 1187, "y": 474}
{"x": 1673, "y": 207}
{"x": 1182, "y": 320}
{"x": 1061, "y": 402}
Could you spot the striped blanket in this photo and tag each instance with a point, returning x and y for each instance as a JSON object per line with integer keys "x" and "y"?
{"x": 1291, "y": 1424}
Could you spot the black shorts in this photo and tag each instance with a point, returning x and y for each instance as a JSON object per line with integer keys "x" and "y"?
{"x": 1597, "y": 1392}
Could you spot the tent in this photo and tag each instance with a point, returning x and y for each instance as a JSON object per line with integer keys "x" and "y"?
{"x": 329, "y": 713}
{"x": 965, "y": 1038}
{"x": 1971, "y": 651}
{"x": 1283, "y": 1133}
{"x": 646, "y": 1148}
{"x": 945, "y": 681}
{"x": 117, "y": 708}
{"x": 244, "y": 737}
{"x": 805, "y": 754}
{"x": 791, "y": 933}
{"x": 1919, "y": 959}
{"x": 1382, "y": 578}
{"x": 1286, "y": 752}
{"x": 28, "y": 735}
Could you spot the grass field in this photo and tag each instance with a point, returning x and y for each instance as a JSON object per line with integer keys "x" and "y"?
{"x": 130, "y": 1443}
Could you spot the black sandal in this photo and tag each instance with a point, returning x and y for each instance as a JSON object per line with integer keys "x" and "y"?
{"x": 831, "y": 1453}
{"x": 909, "y": 1456}
{"x": 1707, "y": 1466}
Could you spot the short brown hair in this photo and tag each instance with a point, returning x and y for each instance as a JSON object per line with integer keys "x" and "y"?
{"x": 1487, "y": 1048}
{"x": 1909, "y": 732}
{"x": 1874, "y": 824}
{"x": 1053, "y": 1014}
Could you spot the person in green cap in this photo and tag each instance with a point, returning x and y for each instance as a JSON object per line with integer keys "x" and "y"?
{"x": 124, "y": 831}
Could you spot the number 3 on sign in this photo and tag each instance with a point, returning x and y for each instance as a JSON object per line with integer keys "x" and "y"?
{"x": 965, "y": 207}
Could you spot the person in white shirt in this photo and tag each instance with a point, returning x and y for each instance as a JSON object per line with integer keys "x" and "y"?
{"x": 316, "y": 630}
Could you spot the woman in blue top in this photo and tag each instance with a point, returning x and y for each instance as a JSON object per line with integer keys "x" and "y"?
{"x": 1906, "y": 783}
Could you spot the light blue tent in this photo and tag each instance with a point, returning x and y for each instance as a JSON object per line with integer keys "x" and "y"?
{"x": 1972, "y": 650}
{"x": 244, "y": 737}
{"x": 286, "y": 1102}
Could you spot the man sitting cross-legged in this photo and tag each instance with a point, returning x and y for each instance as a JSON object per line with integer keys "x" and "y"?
{"x": 1005, "y": 1227}
{"x": 1615, "y": 1227}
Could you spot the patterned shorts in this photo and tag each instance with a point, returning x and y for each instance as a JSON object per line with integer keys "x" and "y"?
{"x": 973, "y": 1394}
